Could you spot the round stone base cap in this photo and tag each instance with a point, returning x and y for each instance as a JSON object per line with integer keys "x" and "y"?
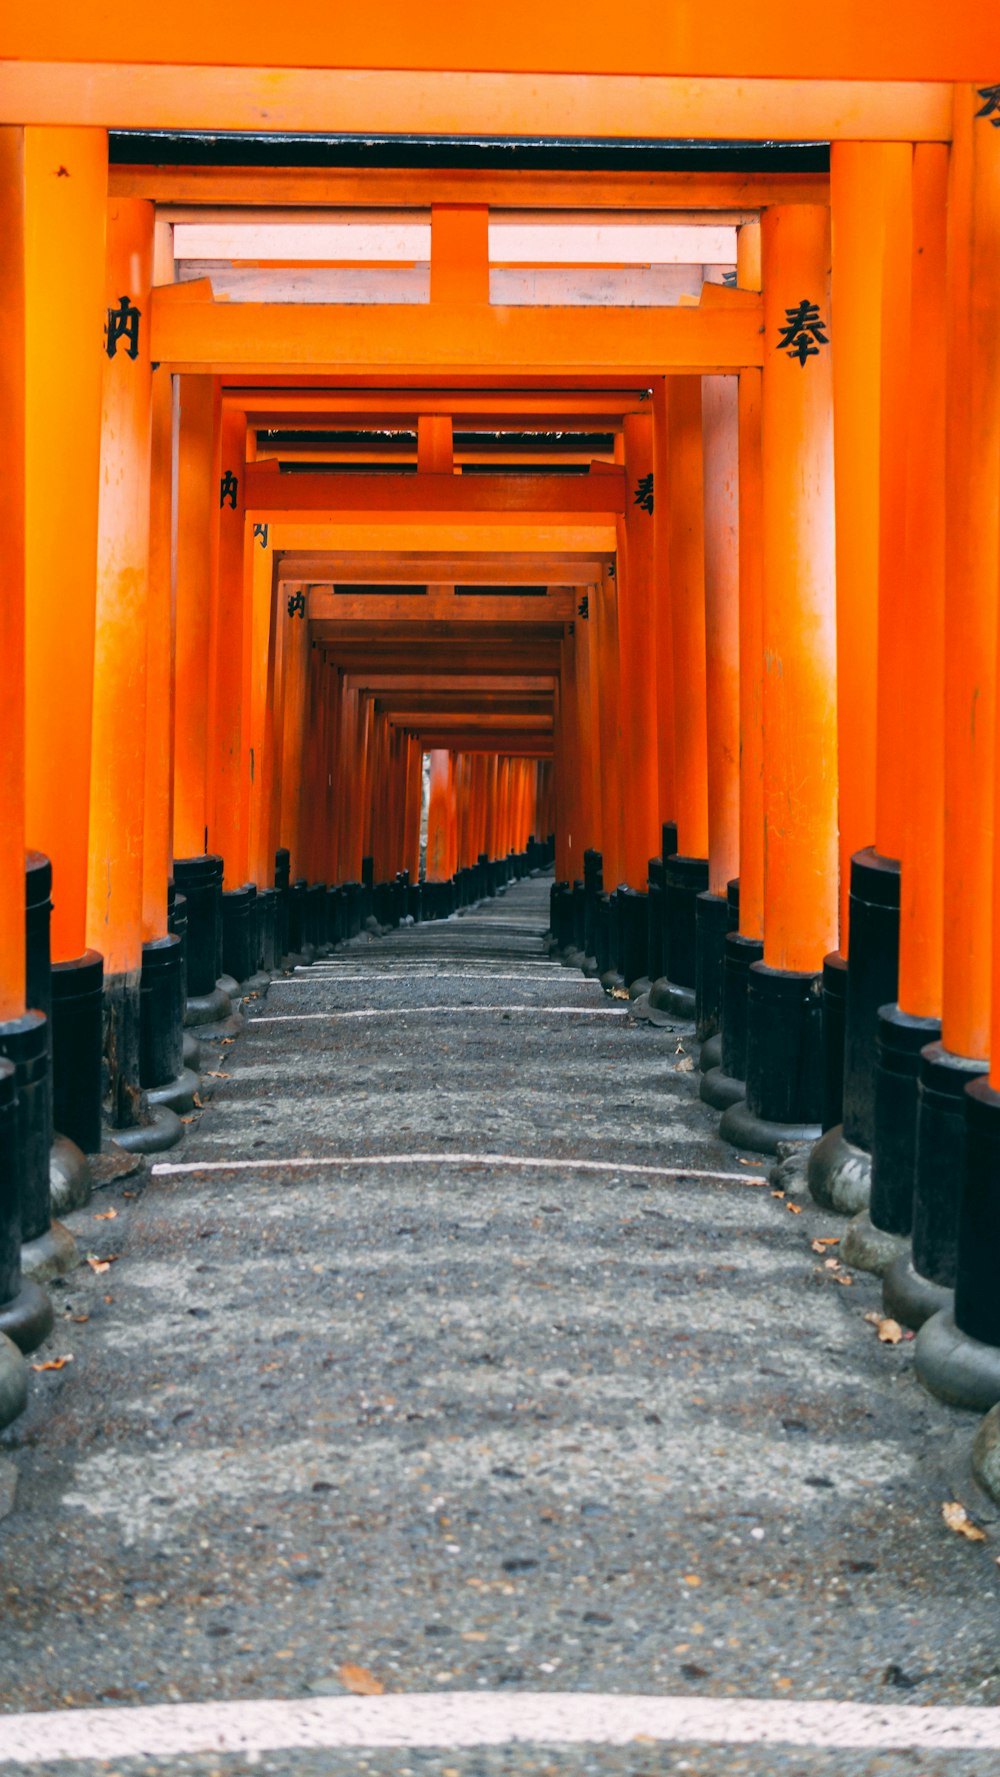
{"x": 13, "y": 1381}
{"x": 840, "y": 1174}
{"x": 711, "y": 1053}
{"x": 29, "y": 1318}
{"x": 53, "y": 1254}
{"x": 744, "y": 1129}
{"x": 956, "y": 1368}
{"x": 720, "y": 1090}
{"x": 670, "y": 1001}
{"x": 165, "y": 1131}
{"x": 70, "y": 1179}
{"x": 178, "y": 1094}
{"x": 207, "y": 1008}
{"x": 911, "y": 1298}
{"x": 868, "y": 1248}
{"x": 986, "y": 1454}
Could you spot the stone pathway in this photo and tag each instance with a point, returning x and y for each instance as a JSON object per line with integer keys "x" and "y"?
{"x": 453, "y": 1353}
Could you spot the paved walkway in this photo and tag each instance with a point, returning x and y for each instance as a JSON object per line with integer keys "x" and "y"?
{"x": 454, "y": 1355}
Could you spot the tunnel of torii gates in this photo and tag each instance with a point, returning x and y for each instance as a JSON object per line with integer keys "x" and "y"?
{"x": 615, "y": 420}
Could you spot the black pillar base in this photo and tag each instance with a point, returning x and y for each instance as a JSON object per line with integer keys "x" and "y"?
{"x": 713, "y": 917}
{"x": 711, "y": 1053}
{"x": 670, "y": 1003}
{"x": 199, "y": 879}
{"x": 124, "y": 1102}
{"x": 723, "y": 1081}
{"x": 211, "y": 1016}
{"x": 684, "y": 879}
{"x": 784, "y": 1062}
{"x": 834, "y": 1016}
{"x": 940, "y": 1164}
{"x": 879, "y": 1236}
{"x": 872, "y": 976}
{"x": 910, "y": 1298}
{"x": 161, "y": 1012}
{"x": 957, "y": 1355}
{"x": 635, "y": 947}
{"x": 77, "y": 1031}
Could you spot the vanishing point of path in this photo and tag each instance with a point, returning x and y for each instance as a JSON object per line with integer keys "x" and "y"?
{"x": 453, "y": 1353}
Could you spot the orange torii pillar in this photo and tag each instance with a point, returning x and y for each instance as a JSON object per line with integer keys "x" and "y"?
{"x": 602, "y": 626}
{"x": 784, "y": 1075}
{"x": 958, "y": 1349}
{"x": 229, "y": 705}
{"x": 18, "y": 1300}
{"x": 684, "y": 700}
{"x": 439, "y": 866}
{"x": 716, "y": 907}
{"x": 723, "y": 1083}
{"x": 636, "y": 605}
{"x": 117, "y": 813}
{"x": 857, "y": 198}
{"x": 840, "y": 1165}
{"x": 66, "y": 327}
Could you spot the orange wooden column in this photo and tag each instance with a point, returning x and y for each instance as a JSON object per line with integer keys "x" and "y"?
{"x": 295, "y": 667}
{"x": 663, "y": 641}
{"x": 687, "y": 604}
{"x": 158, "y": 795}
{"x": 65, "y": 172}
{"x": 971, "y": 567}
{"x": 118, "y": 761}
{"x": 229, "y": 661}
{"x": 720, "y": 433}
{"x": 857, "y": 198}
{"x": 265, "y": 619}
{"x": 636, "y": 626}
{"x": 197, "y": 509}
{"x": 751, "y": 496}
{"x": 604, "y": 613}
{"x": 439, "y": 818}
{"x": 12, "y": 527}
{"x": 799, "y": 705}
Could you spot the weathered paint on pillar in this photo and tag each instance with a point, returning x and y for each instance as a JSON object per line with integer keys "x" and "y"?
{"x": 65, "y": 319}
{"x": 800, "y": 712}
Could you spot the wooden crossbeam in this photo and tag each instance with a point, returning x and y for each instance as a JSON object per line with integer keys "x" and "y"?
{"x": 439, "y": 605}
{"x": 281, "y": 497}
{"x": 442, "y": 570}
{"x": 192, "y": 334}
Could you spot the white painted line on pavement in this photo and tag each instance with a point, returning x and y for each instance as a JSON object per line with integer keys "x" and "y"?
{"x": 450, "y": 1720}
{"x": 408, "y": 1011}
{"x": 163, "y": 1167}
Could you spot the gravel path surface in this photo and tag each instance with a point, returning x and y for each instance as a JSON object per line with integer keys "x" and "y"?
{"x": 480, "y": 1425}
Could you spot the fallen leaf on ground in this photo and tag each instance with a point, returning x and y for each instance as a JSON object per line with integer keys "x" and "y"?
{"x": 211, "y": 1074}
{"x": 80, "y": 1319}
{"x": 823, "y": 1241}
{"x": 99, "y": 1266}
{"x": 831, "y": 1264}
{"x": 777, "y": 1193}
{"x": 795, "y": 1208}
{"x": 685, "y": 1067}
{"x": 196, "y": 1100}
{"x": 359, "y": 1681}
{"x": 225, "y": 1041}
{"x": 692, "y": 1579}
{"x": 957, "y": 1518}
{"x": 890, "y": 1332}
{"x": 106, "y": 1215}
{"x": 55, "y": 1363}
{"x": 842, "y": 1277}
